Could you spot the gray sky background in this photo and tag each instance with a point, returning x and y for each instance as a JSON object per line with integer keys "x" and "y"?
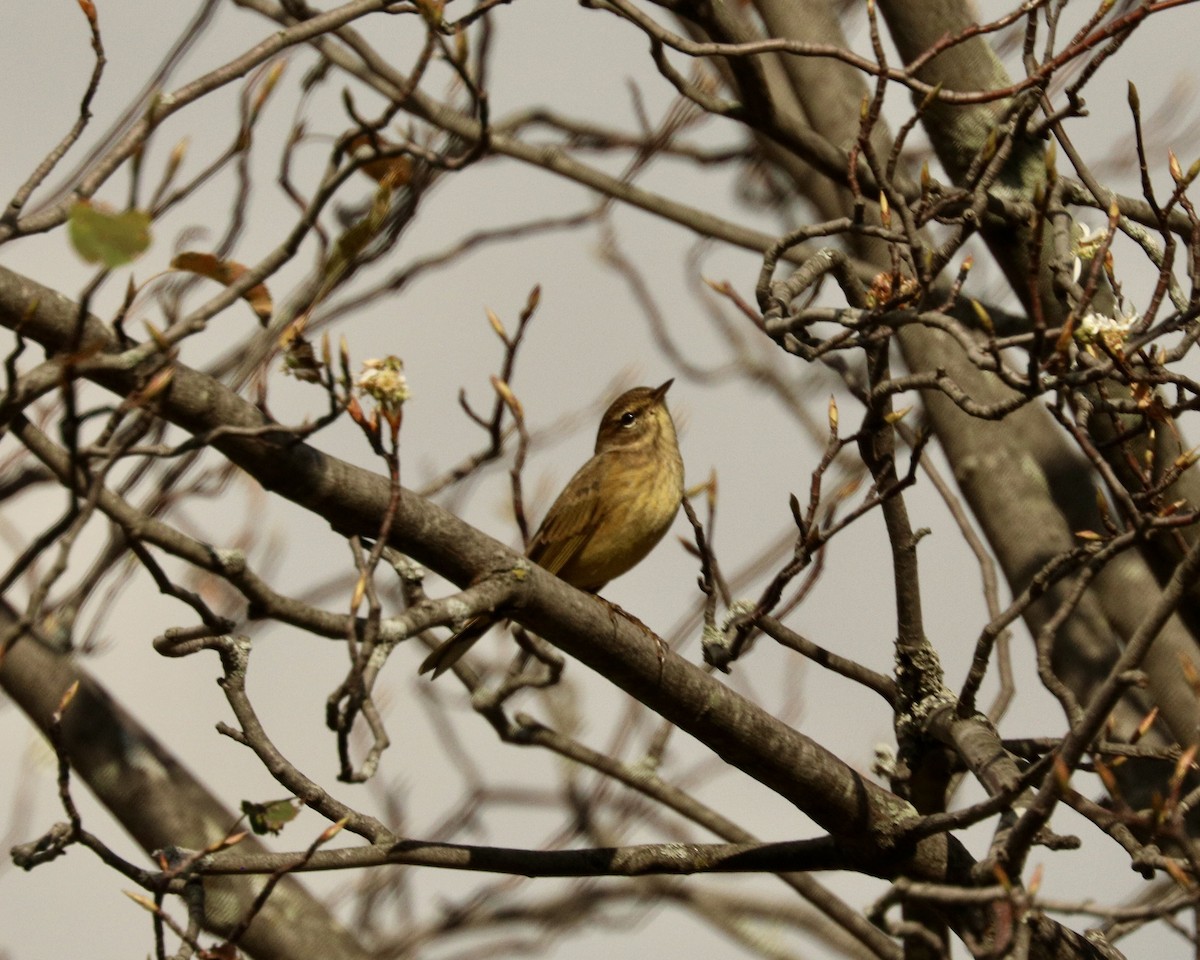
{"x": 589, "y": 337}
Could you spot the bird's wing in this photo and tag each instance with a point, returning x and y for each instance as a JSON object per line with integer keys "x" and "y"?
{"x": 569, "y": 522}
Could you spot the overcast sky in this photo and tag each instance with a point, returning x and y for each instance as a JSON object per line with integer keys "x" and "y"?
{"x": 589, "y": 339}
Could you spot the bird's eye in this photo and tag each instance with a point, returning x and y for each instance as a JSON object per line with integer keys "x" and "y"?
{"x": 627, "y": 418}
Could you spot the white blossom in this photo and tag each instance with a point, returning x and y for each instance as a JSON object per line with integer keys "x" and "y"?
{"x": 383, "y": 381}
{"x": 1098, "y": 326}
{"x": 1086, "y": 244}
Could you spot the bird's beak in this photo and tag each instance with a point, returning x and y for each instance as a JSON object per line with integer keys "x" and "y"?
{"x": 659, "y": 392}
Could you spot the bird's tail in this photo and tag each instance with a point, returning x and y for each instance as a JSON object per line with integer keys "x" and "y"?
{"x": 447, "y": 654}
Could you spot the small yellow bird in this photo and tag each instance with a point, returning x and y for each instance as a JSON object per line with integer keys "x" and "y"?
{"x": 610, "y": 515}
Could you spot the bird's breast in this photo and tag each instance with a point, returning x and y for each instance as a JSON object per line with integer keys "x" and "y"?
{"x": 638, "y": 500}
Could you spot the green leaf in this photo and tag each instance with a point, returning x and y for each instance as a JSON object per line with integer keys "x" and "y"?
{"x": 113, "y": 239}
{"x": 269, "y": 817}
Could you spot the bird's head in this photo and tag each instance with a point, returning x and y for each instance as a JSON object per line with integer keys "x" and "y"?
{"x": 637, "y": 418}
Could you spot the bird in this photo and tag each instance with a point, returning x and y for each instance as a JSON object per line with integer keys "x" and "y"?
{"x": 609, "y": 516}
